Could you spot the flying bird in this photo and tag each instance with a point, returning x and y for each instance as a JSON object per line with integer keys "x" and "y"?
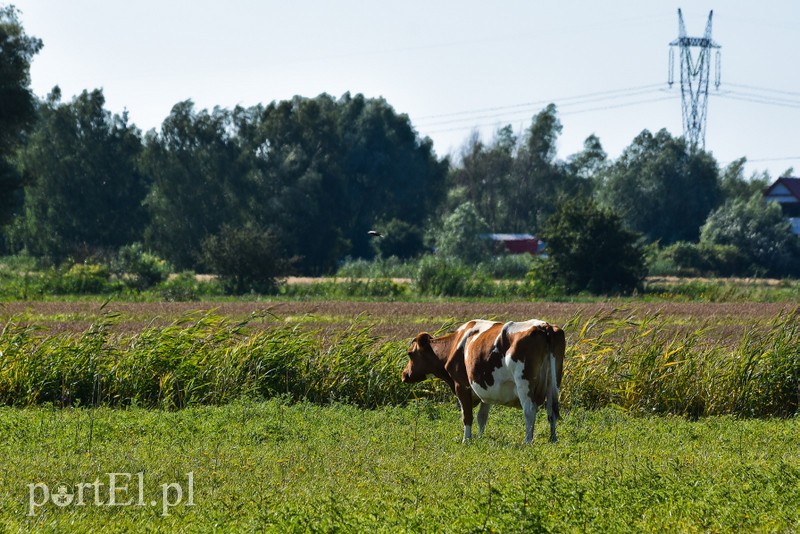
{"x": 374, "y": 233}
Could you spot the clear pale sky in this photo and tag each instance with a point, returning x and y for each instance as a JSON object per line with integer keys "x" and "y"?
{"x": 452, "y": 66}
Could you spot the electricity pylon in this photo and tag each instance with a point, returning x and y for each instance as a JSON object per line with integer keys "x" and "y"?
{"x": 694, "y": 79}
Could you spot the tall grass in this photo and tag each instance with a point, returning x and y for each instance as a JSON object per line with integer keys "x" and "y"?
{"x": 635, "y": 363}
{"x": 199, "y": 359}
{"x": 641, "y": 364}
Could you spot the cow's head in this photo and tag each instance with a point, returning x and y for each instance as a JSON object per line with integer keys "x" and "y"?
{"x": 421, "y": 359}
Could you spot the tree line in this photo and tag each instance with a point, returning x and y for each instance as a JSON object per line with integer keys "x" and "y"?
{"x": 294, "y": 186}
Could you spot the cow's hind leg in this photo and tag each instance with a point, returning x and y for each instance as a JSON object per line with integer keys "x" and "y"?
{"x": 483, "y": 416}
{"x": 551, "y": 418}
{"x": 528, "y": 406}
{"x": 529, "y": 409}
{"x": 552, "y": 398}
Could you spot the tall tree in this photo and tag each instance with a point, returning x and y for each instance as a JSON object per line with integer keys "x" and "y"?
{"x": 484, "y": 175}
{"x": 661, "y": 188}
{"x": 197, "y": 178}
{"x": 351, "y": 164}
{"x": 388, "y": 172}
{"x": 734, "y": 184}
{"x": 539, "y": 182}
{"x": 589, "y": 163}
{"x": 315, "y": 173}
{"x": 85, "y": 190}
{"x": 17, "y": 103}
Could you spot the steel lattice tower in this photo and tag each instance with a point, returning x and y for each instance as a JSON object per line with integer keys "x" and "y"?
{"x": 695, "y": 74}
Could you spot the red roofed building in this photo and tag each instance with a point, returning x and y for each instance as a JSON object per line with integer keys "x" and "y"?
{"x": 786, "y": 192}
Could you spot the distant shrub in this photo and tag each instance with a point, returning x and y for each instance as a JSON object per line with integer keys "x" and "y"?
{"x": 590, "y": 249}
{"x": 705, "y": 259}
{"x": 400, "y": 239}
{"x": 186, "y": 287}
{"x": 351, "y": 287}
{"x": 139, "y": 268}
{"x": 247, "y": 259}
{"x": 79, "y": 279}
{"x": 444, "y": 277}
{"x": 508, "y": 266}
{"x": 391, "y": 267}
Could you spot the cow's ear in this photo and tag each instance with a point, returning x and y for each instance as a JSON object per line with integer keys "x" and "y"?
{"x": 424, "y": 339}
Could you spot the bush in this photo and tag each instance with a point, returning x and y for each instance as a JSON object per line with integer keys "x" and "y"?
{"x": 706, "y": 259}
{"x": 391, "y": 267}
{"x": 79, "y": 279}
{"x": 443, "y": 277}
{"x": 508, "y": 266}
{"x": 185, "y": 286}
{"x": 138, "y": 268}
{"x": 589, "y": 249}
{"x": 247, "y": 259}
{"x": 349, "y": 288}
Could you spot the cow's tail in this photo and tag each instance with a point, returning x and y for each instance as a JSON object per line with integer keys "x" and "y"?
{"x": 552, "y": 386}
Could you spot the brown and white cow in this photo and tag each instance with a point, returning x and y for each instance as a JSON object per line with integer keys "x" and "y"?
{"x": 486, "y": 362}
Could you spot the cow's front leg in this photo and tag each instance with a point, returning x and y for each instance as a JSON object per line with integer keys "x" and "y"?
{"x": 464, "y": 394}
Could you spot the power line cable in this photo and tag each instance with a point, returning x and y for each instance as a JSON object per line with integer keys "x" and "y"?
{"x": 514, "y": 112}
{"x": 759, "y": 99}
{"x": 763, "y": 89}
{"x": 573, "y": 112}
{"x": 616, "y": 93}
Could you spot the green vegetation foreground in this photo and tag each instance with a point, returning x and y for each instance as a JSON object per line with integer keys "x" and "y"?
{"x": 219, "y": 419}
{"x": 281, "y": 467}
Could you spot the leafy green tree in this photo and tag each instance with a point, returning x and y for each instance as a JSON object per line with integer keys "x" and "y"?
{"x": 661, "y": 188}
{"x": 386, "y": 172}
{"x": 460, "y": 236}
{"x": 317, "y": 172}
{"x": 734, "y": 184}
{"x": 198, "y": 182}
{"x": 483, "y": 177}
{"x": 539, "y": 182}
{"x": 329, "y": 170}
{"x": 85, "y": 192}
{"x": 17, "y": 103}
{"x": 760, "y": 231}
{"x": 589, "y": 249}
{"x": 590, "y": 162}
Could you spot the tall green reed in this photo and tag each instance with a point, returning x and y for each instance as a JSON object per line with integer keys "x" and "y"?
{"x": 646, "y": 364}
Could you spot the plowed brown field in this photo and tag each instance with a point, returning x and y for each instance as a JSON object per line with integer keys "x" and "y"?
{"x": 392, "y": 320}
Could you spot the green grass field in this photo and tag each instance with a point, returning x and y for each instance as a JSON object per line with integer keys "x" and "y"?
{"x": 273, "y": 466}
{"x": 677, "y": 417}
